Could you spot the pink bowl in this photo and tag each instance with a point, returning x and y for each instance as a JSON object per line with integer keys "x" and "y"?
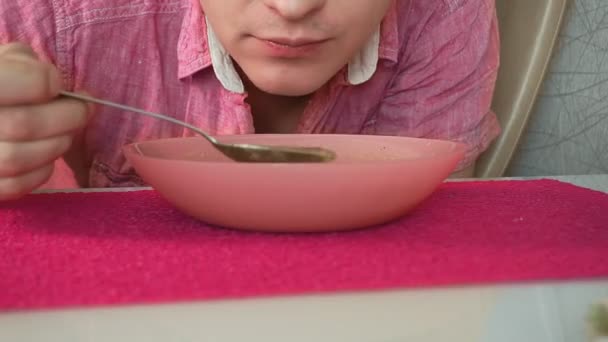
{"x": 374, "y": 179}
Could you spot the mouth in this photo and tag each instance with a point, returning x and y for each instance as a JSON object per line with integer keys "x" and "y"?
{"x": 294, "y": 42}
{"x": 290, "y": 48}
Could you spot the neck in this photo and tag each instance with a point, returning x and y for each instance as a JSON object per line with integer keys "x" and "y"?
{"x": 274, "y": 113}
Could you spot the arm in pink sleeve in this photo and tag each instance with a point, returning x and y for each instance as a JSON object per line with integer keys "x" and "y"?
{"x": 446, "y": 78}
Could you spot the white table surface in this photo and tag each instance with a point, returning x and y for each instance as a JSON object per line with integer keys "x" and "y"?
{"x": 548, "y": 312}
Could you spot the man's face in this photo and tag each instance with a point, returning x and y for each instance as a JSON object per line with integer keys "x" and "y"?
{"x": 293, "y": 47}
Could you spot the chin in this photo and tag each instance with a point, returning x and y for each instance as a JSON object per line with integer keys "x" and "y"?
{"x": 285, "y": 84}
{"x": 292, "y": 91}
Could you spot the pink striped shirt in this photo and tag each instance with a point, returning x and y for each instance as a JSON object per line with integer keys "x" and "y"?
{"x": 435, "y": 77}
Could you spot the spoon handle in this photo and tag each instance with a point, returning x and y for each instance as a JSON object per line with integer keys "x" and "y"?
{"x": 138, "y": 111}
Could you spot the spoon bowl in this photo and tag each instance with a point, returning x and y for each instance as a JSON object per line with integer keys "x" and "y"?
{"x": 275, "y": 154}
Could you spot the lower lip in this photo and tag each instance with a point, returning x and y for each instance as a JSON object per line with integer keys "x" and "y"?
{"x": 287, "y": 51}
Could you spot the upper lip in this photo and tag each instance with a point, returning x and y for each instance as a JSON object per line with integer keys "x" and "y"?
{"x": 295, "y": 42}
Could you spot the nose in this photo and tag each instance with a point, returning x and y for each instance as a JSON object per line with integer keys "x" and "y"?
{"x": 295, "y": 9}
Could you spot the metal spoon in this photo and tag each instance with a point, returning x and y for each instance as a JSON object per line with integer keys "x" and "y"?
{"x": 236, "y": 152}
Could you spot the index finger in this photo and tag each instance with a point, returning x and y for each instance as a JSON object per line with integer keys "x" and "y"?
{"x": 27, "y": 81}
{"x": 17, "y": 49}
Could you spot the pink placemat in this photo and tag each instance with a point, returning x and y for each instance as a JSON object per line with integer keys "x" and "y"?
{"x": 82, "y": 249}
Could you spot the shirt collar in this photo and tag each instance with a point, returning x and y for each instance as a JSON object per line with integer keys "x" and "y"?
{"x": 192, "y": 48}
{"x": 198, "y": 48}
{"x": 389, "y": 35}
